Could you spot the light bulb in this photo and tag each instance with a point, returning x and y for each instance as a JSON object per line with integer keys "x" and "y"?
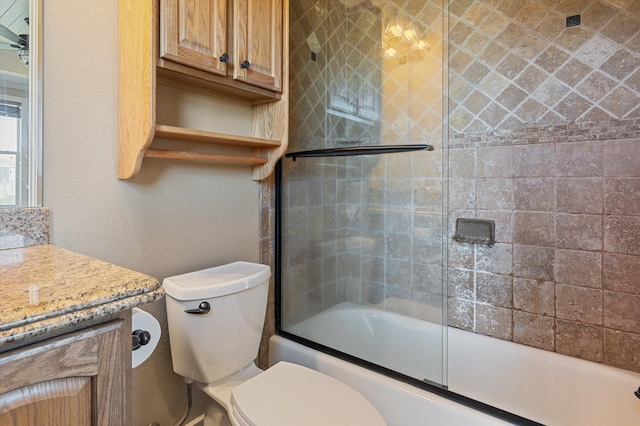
{"x": 395, "y": 30}
{"x": 410, "y": 34}
{"x": 422, "y": 45}
{"x": 390, "y": 52}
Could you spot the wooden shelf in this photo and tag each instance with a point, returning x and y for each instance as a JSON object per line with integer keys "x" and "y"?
{"x": 190, "y": 135}
{"x": 138, "y": 57}
{"x": 203, "y": 156}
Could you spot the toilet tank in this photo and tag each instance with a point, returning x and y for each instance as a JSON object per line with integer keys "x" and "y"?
{"x": 210, "y": 344}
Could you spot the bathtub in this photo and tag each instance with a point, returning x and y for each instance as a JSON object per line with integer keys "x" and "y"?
{"x": 418, "y": 358}
{"x": 543, "y": 386}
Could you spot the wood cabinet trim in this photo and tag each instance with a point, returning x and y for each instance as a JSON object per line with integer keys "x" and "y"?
{"x": 136, "y": 84}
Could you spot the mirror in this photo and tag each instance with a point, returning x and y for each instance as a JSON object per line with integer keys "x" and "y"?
{"x": 20, "y": 103}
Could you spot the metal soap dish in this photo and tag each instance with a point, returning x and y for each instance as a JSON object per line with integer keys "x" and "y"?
{"x": 475, "y": 231}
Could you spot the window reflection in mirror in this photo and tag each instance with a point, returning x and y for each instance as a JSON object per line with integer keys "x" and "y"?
{"x": 20, "y": 77}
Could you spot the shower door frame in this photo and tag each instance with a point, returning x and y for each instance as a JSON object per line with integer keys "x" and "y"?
{"x": 436, "y": 388}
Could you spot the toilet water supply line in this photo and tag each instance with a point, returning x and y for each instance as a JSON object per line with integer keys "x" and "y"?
{"x": 189, "y": 383}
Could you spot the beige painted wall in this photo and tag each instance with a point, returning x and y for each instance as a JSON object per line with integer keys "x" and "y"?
{"x": 172, "y": 218}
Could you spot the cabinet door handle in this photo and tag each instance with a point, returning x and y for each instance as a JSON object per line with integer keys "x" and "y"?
{"x": 224, "y": 58}
{"x": 245, "y": 65}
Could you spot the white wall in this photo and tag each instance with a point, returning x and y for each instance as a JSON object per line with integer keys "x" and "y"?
{"x": 172, "y": 218}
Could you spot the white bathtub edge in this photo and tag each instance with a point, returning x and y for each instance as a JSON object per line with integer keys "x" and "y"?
{"x": 399, "y": 403}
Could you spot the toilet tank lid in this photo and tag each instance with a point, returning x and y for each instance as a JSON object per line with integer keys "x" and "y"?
{"x": 217, "y": 281}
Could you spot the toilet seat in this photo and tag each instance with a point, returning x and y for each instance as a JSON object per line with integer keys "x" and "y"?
{"x": 291, "y": 395}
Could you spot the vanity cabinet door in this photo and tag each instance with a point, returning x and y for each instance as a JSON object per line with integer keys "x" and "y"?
{"x": 53, "y": 402}
{"x": 194, "y": 33}
{"x": 258, "y": 37}
{"x": 81, "y": 378}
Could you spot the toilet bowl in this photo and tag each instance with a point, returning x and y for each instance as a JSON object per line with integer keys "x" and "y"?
{"x": 215, "y": 319}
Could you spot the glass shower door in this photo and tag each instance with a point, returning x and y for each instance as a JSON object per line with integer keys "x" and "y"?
{"x": 361, "y": 191}
{"x": 361, "y": 274}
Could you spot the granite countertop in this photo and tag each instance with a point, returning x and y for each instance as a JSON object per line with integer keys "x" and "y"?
{"x": 46, "y": 290}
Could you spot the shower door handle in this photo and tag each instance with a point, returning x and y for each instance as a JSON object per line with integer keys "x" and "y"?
{"x": 202, "y": 309}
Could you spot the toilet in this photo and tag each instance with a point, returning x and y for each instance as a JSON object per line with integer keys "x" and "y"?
{"x": 215, "y": 321}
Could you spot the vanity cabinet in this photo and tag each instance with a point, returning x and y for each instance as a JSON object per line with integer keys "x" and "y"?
{"x": 230, "y": 50}
{"x": 238, "y": 40}
{"x": 80, "y": 378}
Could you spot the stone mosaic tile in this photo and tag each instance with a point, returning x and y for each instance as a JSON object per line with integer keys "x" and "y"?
{"x": 622, "y": 196}
{"x": 578, "y": 268}
{"x": 534, "y": 194}
{"x": 621, "y": 349}
{"x": 534, "y": 229}
{"x": 494, "y": 321}
{"x": 579, "y": 231}
{"x": 622, "y": 311}
{"x": 579, "y": 304}
{"x": 461, "y": 284}
{"x": 460, "y": 255}
{"x": 598, "y": 14}
{"x": 579, "y": 195}
{"x": 580, "y": 159}
{"x": 534, "y": 330}
{"x": 534, "y": 160}
{"x": 533, "y": 262}
{"x": 579, "y": 340}
{"x": 622, "y": 158}
{"x": 534, "y": 296}
{"x": 461, "y": 313}
{"x": 495, "y": 162}
{"x": 551, "y": 59}
{"x": 621, "y": 234}
{"x": 621, "y": 273}
{"x": 570, "y": 64}
{"x": 494, "y": 194}
{"x": 496, "y": 290}
{"x": 497, "y": 259}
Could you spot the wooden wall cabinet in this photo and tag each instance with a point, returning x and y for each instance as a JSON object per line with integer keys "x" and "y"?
{"x": 238, "y": 39}
{"x": 82, "y": 378}
{"x": 235, "y": 49}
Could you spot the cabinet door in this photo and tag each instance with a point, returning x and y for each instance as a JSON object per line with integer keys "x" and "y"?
{"x": 194, "y": 33}
{"x": 258, "y": 42}
{"x": 81, "y": 378}
{"x": 54, "y": 402}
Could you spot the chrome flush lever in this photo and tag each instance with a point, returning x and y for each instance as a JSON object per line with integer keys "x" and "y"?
{"x": 203, "y": 308}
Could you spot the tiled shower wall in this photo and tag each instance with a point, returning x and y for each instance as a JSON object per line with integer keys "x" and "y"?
{"x": 515, "y": 64}
{"x": 563, "y": 275}
{"x": 310, "y": 261}
{"x": 363, "y": 229}
{"x": 545, "y": 140}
